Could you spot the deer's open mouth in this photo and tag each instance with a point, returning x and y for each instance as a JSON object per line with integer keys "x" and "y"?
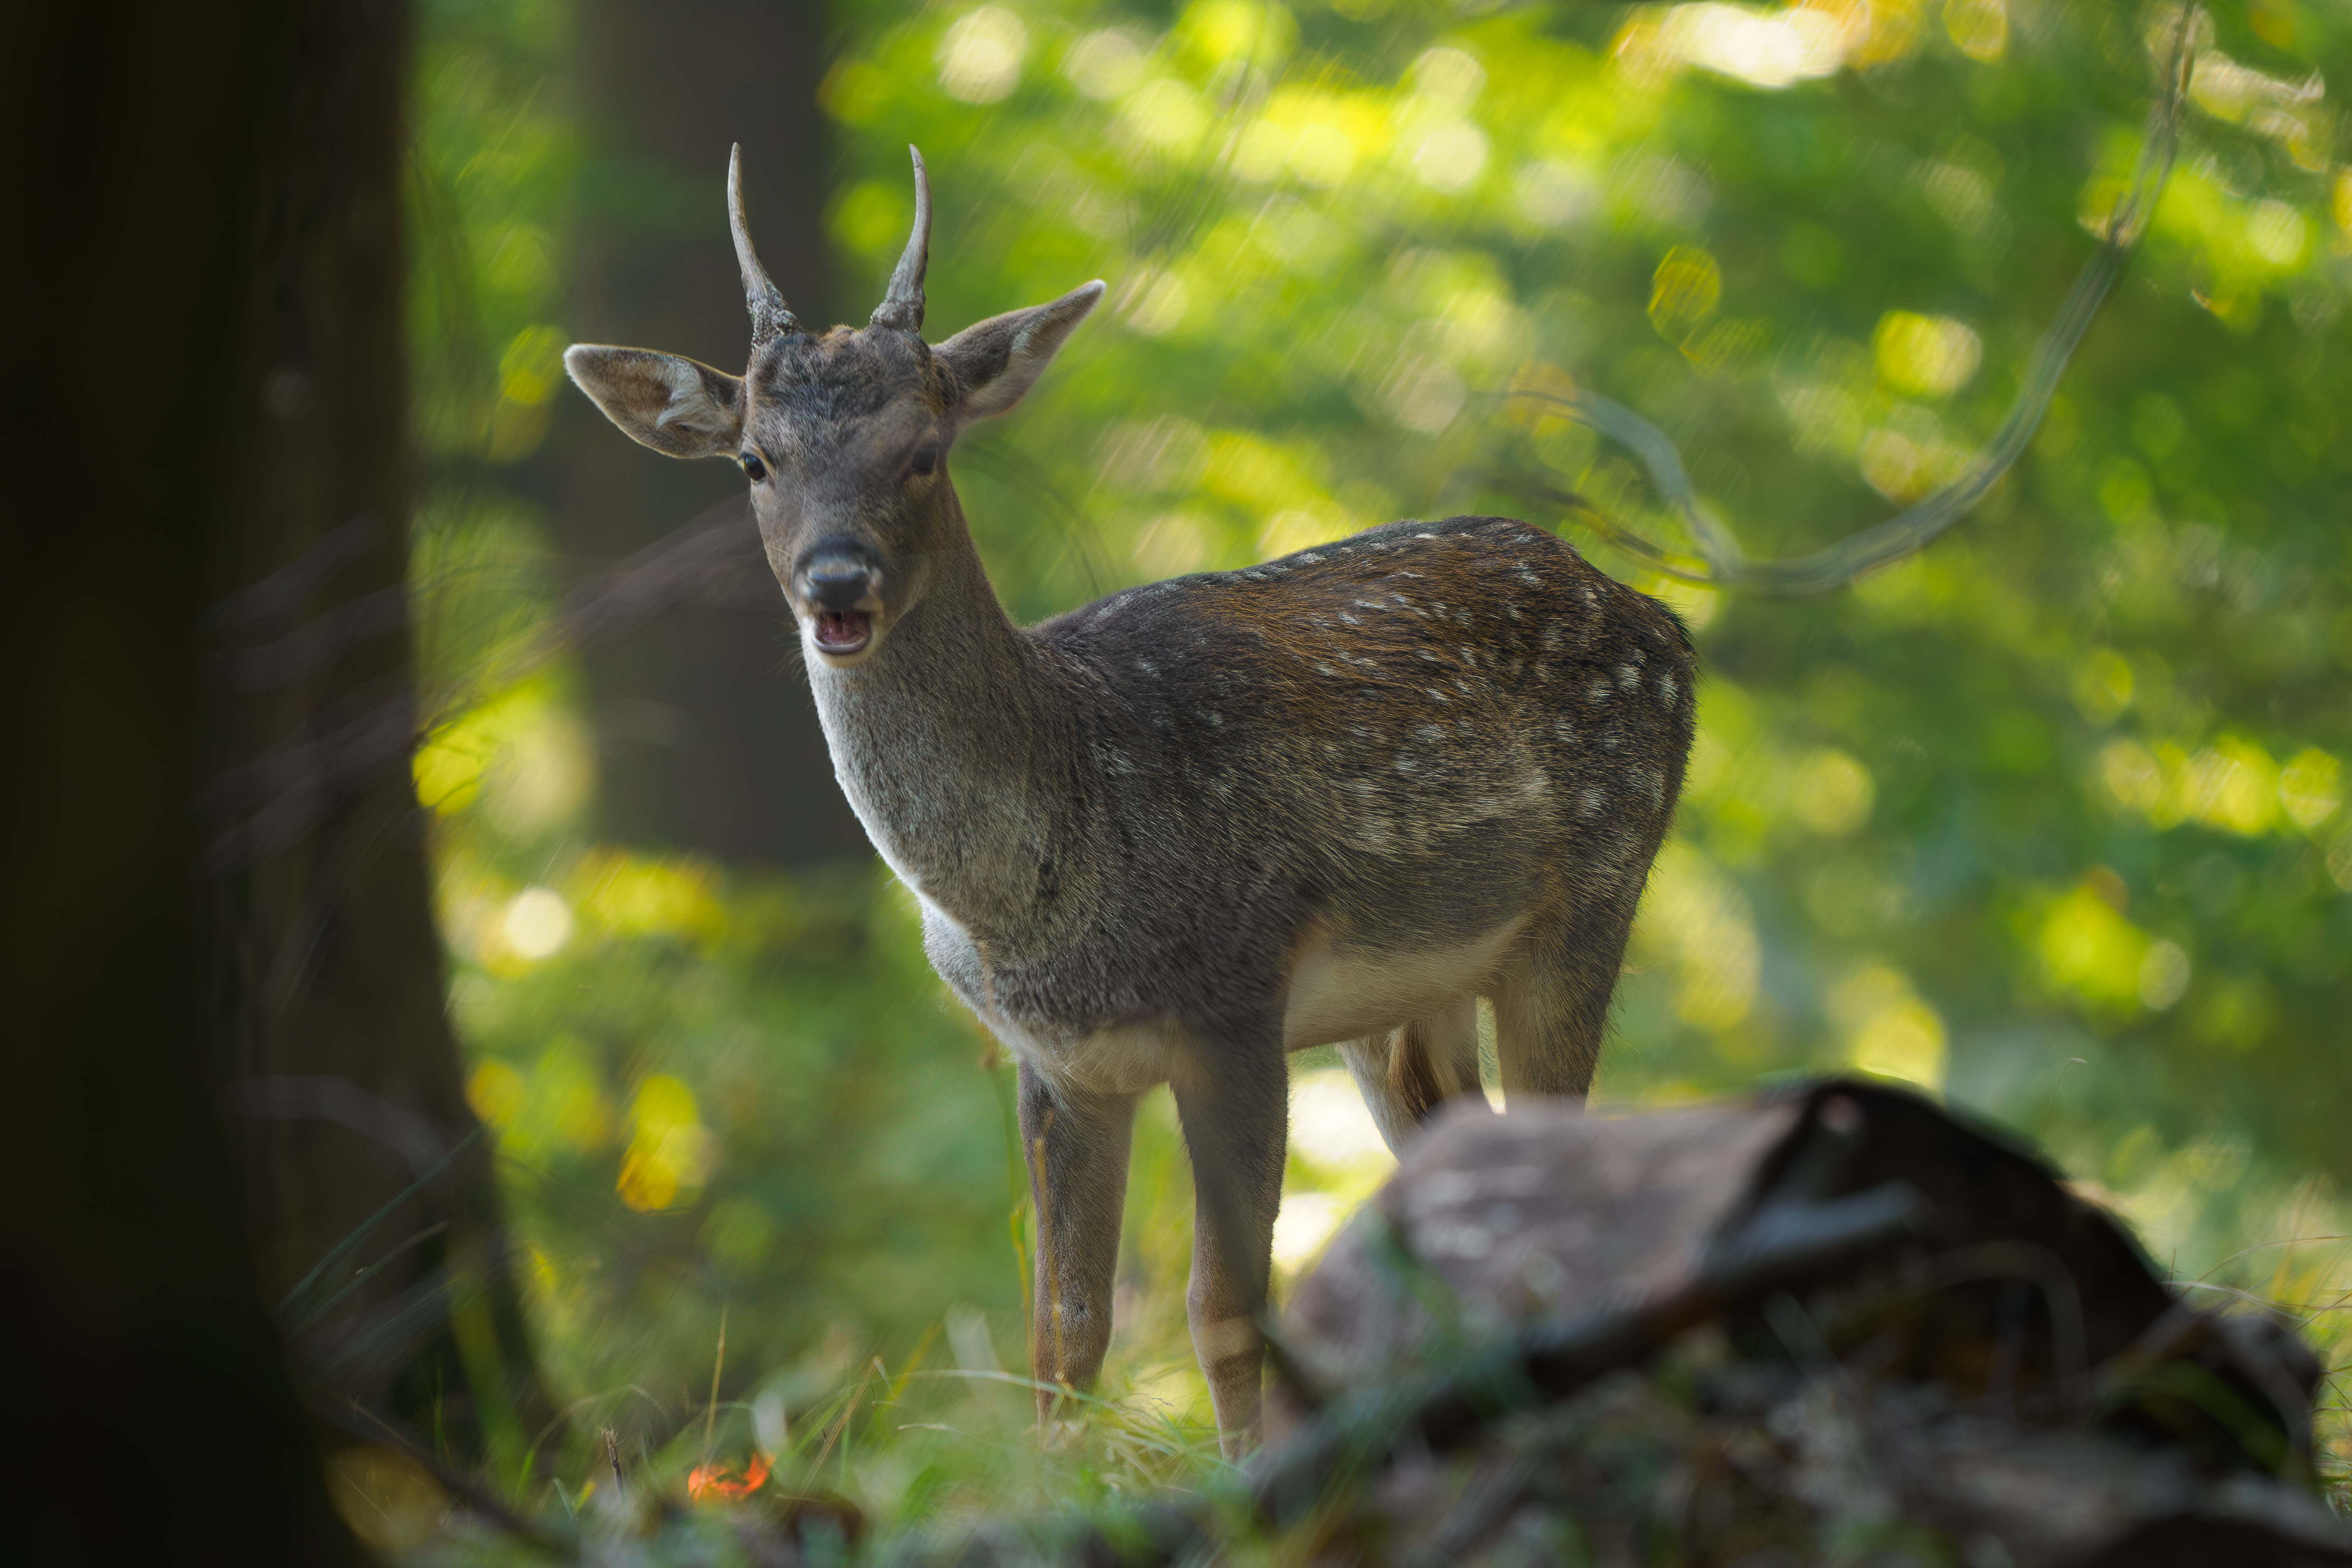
{"x": 843, "y": 632}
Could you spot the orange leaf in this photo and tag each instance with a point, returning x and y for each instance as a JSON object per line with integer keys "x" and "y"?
{"x": 706, "y": 1483}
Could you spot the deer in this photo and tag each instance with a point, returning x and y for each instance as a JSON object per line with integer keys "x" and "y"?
{"x": 1174, "y": 836}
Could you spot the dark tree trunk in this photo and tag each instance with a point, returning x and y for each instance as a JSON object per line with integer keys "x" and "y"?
{"x": 155, "y": 1418}
{"x": 346, "y": 1076}
{"x": 708, "y": 740}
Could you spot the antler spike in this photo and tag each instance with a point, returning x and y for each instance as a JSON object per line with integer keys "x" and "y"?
{"x": 902, "y": 307}
{"x": 770, "y": 317}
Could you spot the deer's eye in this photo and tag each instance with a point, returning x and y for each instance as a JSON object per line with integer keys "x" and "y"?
{"x": 757, "y": 470}
{"x": 926, "y": 459}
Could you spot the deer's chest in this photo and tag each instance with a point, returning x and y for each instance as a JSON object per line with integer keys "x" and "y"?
{"x": 1051, "y": 1019}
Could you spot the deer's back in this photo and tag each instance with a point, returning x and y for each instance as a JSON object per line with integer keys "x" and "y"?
{"x": 1425, "y": 721}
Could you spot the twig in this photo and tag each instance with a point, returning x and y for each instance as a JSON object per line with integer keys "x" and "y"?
{"x": 840, "y": 1424}
{"x": 1911, "y": 530}
{"x": 478, "y": 1498}
{"x": 711, "y": 1421}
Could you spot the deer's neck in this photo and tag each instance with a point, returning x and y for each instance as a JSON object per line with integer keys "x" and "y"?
{"x": 949, "y": 742}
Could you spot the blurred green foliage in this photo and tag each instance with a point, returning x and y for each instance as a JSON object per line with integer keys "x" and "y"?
{"x": 2050, "y": 818}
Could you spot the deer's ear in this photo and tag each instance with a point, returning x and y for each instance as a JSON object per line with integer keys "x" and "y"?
{"x": 997, "y": 360}
{"x": 678, "y": 406}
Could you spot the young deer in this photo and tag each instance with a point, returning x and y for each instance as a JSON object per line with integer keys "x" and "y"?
{"x": 1184, "y": 830}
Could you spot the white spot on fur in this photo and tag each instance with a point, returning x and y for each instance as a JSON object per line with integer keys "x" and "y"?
{"x": 1594, "y": 803}
{"x": 1601, "y": 691}
{"x": 1666, "y": 693}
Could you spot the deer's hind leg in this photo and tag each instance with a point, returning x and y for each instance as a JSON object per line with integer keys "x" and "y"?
{"x": 1406, "y": 1074}
{"x": 1551, "y": 1000}
{"x": 1076, "y": 1147}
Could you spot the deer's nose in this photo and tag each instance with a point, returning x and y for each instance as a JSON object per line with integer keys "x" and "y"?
{"x": 838, "y": 578}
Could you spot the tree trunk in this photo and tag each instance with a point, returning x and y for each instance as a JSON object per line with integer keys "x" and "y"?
{"x": 707, "y": 738}
{"x": 162, "y": 1424}
{"x": 345, "y": 1074}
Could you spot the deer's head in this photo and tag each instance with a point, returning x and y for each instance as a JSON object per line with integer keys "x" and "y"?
{"x": 844, "y": 435}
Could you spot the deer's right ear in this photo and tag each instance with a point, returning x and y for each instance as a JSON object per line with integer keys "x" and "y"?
{"x": 680, "y": 407}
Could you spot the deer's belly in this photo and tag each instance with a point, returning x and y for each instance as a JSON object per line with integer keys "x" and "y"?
{"x": 1337, "y": 992}
{"x": 1347, "y": 994}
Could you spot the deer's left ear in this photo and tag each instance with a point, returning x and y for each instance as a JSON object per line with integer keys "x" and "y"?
{"x": 997, "y": 360}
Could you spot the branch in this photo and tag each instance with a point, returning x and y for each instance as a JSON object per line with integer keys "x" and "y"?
{"x": 1920, "y": 524}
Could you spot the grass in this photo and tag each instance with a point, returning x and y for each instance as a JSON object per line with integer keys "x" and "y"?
{"x": 884, "y": 1454}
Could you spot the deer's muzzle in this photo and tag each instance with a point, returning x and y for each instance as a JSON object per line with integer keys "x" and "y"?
{"x": 841, "y": 584}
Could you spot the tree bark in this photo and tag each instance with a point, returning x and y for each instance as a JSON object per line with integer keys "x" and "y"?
{"x": 344, "y": 1072}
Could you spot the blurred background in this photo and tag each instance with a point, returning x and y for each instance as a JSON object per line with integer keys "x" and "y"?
{"x": 2048, "y": 820}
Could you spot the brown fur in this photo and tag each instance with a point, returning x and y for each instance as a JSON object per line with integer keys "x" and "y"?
{"x": 1170, "y": 836}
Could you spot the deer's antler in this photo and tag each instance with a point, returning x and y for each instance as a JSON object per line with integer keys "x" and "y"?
{"x": 902, "y": 307}
{"x": 770, "y": 317}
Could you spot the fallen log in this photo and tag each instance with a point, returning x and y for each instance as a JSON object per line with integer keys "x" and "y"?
{"x": 1824, "y": 1323}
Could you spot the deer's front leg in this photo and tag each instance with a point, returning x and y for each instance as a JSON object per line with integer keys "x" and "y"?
{"x": 1236, "y": 1113}
{"x": 1076, "y": 1147}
